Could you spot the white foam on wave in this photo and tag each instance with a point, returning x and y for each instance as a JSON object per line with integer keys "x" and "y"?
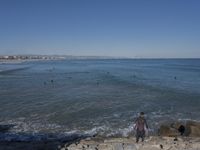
{"x": 20, "y": 125}
{"x": 72, "y": 132}
{"x": 124, "y": 132}
{"x": 97, "y": 130}
{"x": 188, "y": 119}
{"x": 116, "y": 115}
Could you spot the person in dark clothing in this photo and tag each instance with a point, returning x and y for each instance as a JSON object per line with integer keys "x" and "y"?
{"x": 140, "y": 126}
{"x": 181, "y": 129}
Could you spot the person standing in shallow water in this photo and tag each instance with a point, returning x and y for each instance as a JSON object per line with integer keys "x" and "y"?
{"x": 140, "y": 126}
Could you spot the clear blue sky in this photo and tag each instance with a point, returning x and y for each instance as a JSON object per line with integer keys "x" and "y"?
{"x": 126, "y": 28}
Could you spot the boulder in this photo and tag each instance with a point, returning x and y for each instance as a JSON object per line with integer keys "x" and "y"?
{"x": 193, "y": 128}
{"x": 176, "y": 125}
{"x": 168, "y": 131}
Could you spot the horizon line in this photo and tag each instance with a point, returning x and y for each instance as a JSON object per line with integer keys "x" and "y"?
{"x": 101, "y": 56}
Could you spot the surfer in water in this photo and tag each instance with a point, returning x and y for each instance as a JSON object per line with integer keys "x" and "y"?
{"x": 140, "y": 126}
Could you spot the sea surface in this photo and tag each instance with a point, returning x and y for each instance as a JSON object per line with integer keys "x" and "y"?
{"x": 96, "y": 96}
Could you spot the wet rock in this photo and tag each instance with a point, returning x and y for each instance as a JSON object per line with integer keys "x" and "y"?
{"x": 194, "y": 131}
{"x": 168, "y": 131}
{"x": 189, "y": 128}
{"x": 193, "y": 128}
{"x": 180, "y": 126}
{"x": 176, "y": 125}
{"x": 6, "y": 128}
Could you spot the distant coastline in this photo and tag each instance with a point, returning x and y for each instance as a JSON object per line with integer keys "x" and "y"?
{"x": 23, "y": 58}
{"x": 14, "y": 59}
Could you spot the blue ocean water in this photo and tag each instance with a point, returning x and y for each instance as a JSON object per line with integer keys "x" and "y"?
{"x": 101, "y": 96}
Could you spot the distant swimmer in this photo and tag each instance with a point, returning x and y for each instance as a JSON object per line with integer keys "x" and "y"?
{"x": 140, "y": 127}
{"x": 51, "y": 81}
{"x": 45, "y": 83}
{"x": 175, "y": 78}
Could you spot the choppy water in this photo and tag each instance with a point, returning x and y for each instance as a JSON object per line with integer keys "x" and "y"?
{"x": 97, "y": 96}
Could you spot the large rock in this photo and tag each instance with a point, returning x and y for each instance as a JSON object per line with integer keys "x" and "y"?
{"x": 193, "y": 128}
{"x": 168, "y": 131}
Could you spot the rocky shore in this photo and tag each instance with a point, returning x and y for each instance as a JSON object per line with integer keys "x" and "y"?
{"x": 151, "y": 143}
{"x": 168, "y": 138}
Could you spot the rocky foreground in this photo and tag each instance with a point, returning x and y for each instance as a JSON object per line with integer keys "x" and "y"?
{"x": 151, "y": 143}
{"x": 168, "y": 139}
